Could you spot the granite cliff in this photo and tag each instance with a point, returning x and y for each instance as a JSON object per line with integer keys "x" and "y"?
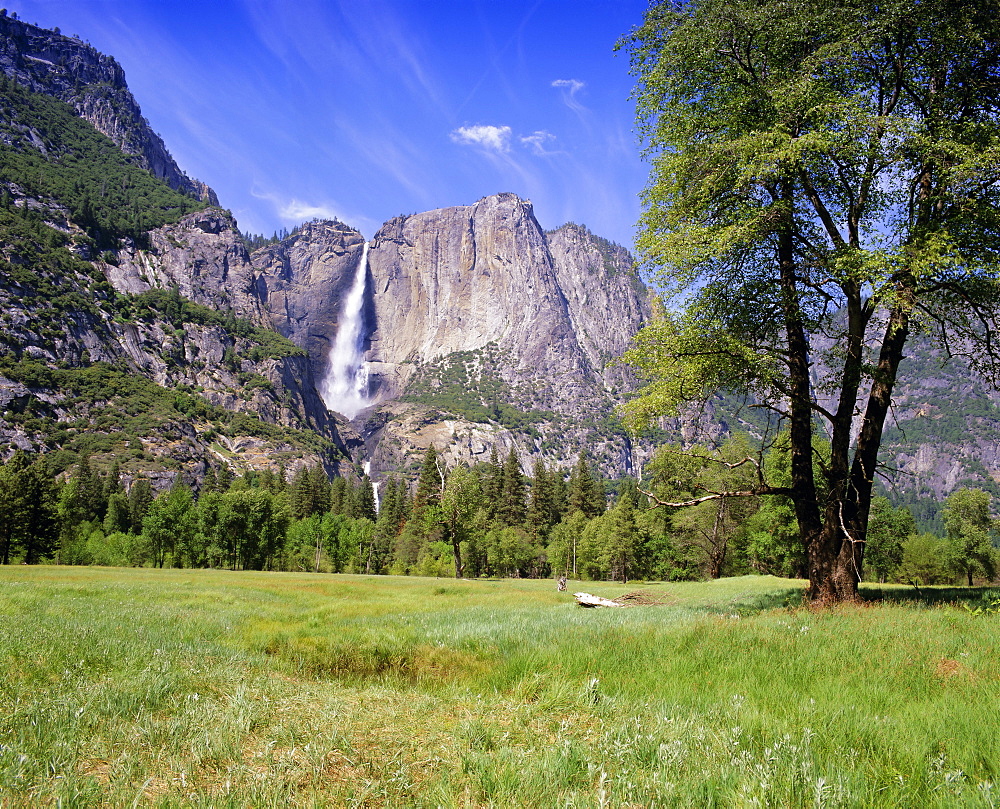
{"x": 141, "y": 338}
{"x": 302, "y": 281}
{"x": 481, "y": 330}
{"x": 94, "y": 84}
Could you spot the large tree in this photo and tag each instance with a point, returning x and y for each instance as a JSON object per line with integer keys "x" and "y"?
{"x": 968, "y": 525}
{"x": 824, "y": 184}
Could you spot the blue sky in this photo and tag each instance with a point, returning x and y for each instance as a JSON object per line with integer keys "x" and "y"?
{"x": 372, "y": 108}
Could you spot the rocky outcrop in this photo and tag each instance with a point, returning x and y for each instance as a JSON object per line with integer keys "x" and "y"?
{"x": 461, "y": 279}
{"x": 475, "y": 299}
{"x": 203, "y": 257}
{"x": 260, "y": 408}
{"x": 94, "y": 84}
{"x": 605, "y": 297}
{"x": 303, "y": 281}
{"x": 398, "y": 434}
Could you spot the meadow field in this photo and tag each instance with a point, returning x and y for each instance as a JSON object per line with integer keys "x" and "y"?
{"x": 139, "y": 687}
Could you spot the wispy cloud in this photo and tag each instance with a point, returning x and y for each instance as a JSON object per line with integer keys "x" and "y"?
{"x": 536, "y": 142}
{"x": 383, "y": 149}
{"x": 569, "y": 88}
{"x": 491, "y": 138}
{"x": 294, "y": 211}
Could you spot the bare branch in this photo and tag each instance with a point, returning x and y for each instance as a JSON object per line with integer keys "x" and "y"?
{"x": 762, "y": 491}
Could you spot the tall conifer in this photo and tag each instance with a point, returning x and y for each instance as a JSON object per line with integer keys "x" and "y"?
{"x": 338, "y": 496}
{"x": 320, "y": 490}
{"x": 140, "y": 496}
{"x": 41, "y": 526}
{"x": 209, "y": 482}
{"x": 364, "y": 500}
{"x": 225, "y": 479}
{"x": 541, "y": 507}
{"x": 513, "y": 505}
{"x": 492, "y": 485}
{"x": 13, "y": 503}
{"x": 584, "y": 492}
{"x": 429, "y": 482}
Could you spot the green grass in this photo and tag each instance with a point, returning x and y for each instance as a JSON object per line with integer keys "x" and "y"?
{"x": 208, "y": 688}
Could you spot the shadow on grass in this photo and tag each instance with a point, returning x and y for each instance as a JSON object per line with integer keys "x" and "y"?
{"x": 750, "y": 603}
{"x": 971, "y": 597}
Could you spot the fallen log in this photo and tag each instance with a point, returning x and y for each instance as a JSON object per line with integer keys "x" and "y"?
{"x": 588, "y": 600}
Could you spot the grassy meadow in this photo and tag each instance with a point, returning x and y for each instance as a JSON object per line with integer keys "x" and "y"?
{"x": 209, "y": 688}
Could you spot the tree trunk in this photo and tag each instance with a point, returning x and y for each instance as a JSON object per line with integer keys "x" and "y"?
{"x": 717, "y": 544}
{"x": 807, "y": 513}
{"x": 834, "y": 568}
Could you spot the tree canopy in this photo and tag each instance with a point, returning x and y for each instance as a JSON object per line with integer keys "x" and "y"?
{"x": 824, "y": 184}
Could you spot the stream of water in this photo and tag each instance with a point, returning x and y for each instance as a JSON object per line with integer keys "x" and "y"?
{"x": 345, "y": 388}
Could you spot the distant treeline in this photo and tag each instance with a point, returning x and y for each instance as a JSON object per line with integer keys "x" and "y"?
{"x": 487, "y": 520}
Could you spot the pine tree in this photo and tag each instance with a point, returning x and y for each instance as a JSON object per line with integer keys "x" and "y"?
{"x": 281, "y": 479}
{"x": 41, "y": 527}
{"x": 541, "y": 506}
{"x": 559, "y": 508}
{"x": 394, "y": 504}
{"x": 404, "y": 504}
{"x": 492, "y": 485}
{"x": 389, "y": 521}
{"x": 113, "y": 482}
{"x": 364, "y": 500}
{"x": 350, "y": 499}
{"x": 338, "y": 496}
{"x": 13, "y": 503}
{"x": 512, "y": 507}
{"x": 118, "y": 518}
{"x": 620, "y": 552}
{"x": 89, "y": 503}
{"x": 224, "y": 480}
{"x": 140, "y": 496}
{"x": 429, "y": 483}
{"x": 300, "y": 496}
{"x": 584, "y": 493}
{"x": 209, "y": 482}
{"x": 320, "y": 490}
{"x": 265, "y": 480}
{"x": 628, "y": 489}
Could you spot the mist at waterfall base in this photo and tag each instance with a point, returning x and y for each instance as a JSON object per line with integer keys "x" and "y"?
{"x": 345, "y": 388}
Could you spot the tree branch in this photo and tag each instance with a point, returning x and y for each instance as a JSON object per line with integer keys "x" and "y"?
{"x": 764, "y": 490}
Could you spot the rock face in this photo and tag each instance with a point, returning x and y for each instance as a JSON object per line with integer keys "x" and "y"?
{"x": 479, "y": 328}
{"x": 72, "y": 71}
{"x": 303, "y": 282}
{"x": 164, "y": 390}
{"x": 491, "y": 332}
{"x": 460, "y": 279}
{"x": 945, "y": 428}
{"x": 606, "y": 301}
{"x": 203, "y": 257}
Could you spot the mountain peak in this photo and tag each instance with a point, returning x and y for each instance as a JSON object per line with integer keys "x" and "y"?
{"x": 70, "y": 70}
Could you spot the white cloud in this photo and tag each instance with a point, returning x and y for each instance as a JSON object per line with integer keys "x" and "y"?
{"x": 536, "y": 141}
{"x": 492, "y": 138}
{"x": 293, "y": 211}
{"x": 570, "y": 87}
{"x": 572, "y": 84}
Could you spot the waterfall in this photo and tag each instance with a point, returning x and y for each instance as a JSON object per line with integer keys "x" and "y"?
{"x": 345, "y": 388}
{"x": 368, "y": 471}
